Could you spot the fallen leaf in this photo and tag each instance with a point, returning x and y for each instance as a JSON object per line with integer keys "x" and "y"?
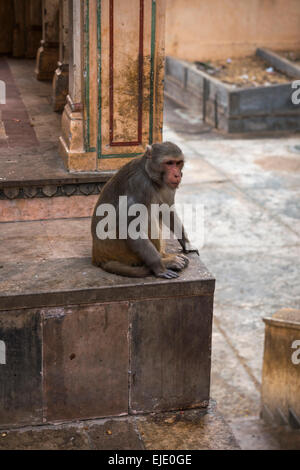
{"x": 170, "y": 420}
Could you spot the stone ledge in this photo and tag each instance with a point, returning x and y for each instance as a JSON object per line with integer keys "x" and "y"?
{"x": 278, "y": 62}
{"x": 80, "y": 343}
{"x": 55, "y": 282}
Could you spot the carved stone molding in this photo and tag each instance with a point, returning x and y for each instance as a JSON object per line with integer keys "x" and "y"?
{"x": 50, "y": 191}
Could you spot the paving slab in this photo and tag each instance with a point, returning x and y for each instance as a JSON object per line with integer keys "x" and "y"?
{"x": 189, "y": 430}
{"x": 254, "y": 434}
{"x": 186, "y": 430}
{"x": 44, "y": 439}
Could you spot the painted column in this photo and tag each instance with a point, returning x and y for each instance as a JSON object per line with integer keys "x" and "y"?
{"x": 47, "y": 55}
{"x": 61, "y": 75}
{"x": 120, "y": 85}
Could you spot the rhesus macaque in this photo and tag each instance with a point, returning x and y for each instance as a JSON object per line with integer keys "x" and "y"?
{"x": 150, "y": 179}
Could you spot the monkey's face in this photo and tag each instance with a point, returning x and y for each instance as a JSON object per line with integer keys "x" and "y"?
{"x": 172, "y": 171}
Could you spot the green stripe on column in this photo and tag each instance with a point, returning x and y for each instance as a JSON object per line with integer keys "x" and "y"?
{"x": 87, "y": 76}
{"x": 99, "y": 137}
{"x": 153, "y": 28}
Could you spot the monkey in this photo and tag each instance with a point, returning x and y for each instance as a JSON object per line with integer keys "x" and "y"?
{"x": 150, "y": 179}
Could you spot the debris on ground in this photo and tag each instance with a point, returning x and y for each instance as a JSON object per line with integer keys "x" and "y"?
{"x": 251, "y": 71}
{"x": 293, "y": 56}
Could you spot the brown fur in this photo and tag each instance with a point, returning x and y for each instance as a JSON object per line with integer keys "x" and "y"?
{"x": 142, "y": 181}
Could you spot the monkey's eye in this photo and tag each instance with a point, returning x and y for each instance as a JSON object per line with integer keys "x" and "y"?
{"x": 170, "y": 162}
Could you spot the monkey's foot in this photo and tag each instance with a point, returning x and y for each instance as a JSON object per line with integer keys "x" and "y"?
{"x": 177, "y": 262}
{"x": 168, "y": 274}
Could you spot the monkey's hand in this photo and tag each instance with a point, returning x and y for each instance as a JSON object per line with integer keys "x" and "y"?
{"x": 175, "y": 263}
{"x": 188, "y": 248}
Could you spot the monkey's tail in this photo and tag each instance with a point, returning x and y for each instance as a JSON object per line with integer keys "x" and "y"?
{"x": 116, "y": 267}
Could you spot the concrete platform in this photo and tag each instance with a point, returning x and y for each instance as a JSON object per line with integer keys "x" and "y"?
{"x": 81, "y": 343}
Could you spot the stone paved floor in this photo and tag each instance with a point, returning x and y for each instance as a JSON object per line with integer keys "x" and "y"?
{"x": 182, "y": 430}
{"x": 250, "y": 191}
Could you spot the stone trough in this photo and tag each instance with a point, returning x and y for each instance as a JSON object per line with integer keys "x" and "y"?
{"x": 231, "y": 109}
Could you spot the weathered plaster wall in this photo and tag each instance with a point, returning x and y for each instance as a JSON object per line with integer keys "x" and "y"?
{"x": 207, "y": 29}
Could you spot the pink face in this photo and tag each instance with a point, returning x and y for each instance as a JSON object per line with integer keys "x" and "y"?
{"x": 172, "y": 171}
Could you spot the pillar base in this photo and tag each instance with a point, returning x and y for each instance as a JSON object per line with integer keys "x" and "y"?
{"x": 77, "y": 161}
{"x": 60, "y": 86}
{"x": 71, "y": 143}
{"x": 46, "y": 61}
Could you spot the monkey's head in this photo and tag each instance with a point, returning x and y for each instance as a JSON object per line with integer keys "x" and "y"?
{"x": 164, "y": 163}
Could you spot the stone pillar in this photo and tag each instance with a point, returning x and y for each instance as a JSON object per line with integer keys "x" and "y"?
{"x": 281, "y": 368}
{"x": 6, "y": 26}
{"x": 61, "y": 75}
{"x": 47, "y": 55}
{"x": 33, "y": 27}
{"x": 27, "y": 31}
{"x": 18, "y": 49}
{"x": 72, "y": 141}
{"x": 115, "y": 102}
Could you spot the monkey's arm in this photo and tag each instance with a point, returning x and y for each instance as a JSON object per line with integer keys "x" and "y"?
{"x": 145, "y": 249}
{"x": 177, "y": 228}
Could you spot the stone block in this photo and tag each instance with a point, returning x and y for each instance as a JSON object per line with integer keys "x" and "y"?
{"x": 85, "y": 361}
{"x": 195, "y": 82}
{"x": 186, "y": 98}
{"x": 60, "y": 86}
{"x": 176, "y": 69}
{"x": 20, "y": 368}
{"x": 259, "y": 123}
{"x": 201, "y": 429}
{"x": 113, "y": 434}
{"x": 92, "y": 344}
{"x": 170, "y": 353}
{"x": 264, "y": 100}
{"x": 46, "y": 61}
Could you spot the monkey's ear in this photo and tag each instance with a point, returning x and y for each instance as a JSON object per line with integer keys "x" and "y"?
{"x": 148, "y": 152}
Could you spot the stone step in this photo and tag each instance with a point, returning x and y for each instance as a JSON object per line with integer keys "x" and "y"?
{"x": 37, "y": 187}
{"x": 80, "y": 343}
